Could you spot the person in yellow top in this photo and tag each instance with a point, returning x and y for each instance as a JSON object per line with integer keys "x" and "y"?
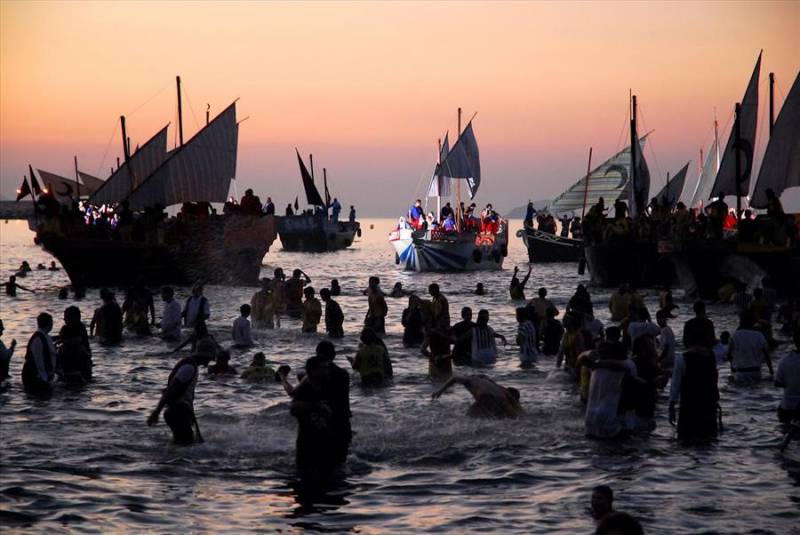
{"x": 573, "y": 344}
{"x": 440, "y": 308}
{"x": 311, "y": 312}
{"x": 372, "y": 360}
{"x": 620, "y": 303}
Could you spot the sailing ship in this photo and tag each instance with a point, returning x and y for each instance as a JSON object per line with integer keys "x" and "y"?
{"x": 705, "y": 264}
{"x": 192, "y": 247}
{"x": 314, "y": 231}
{"x": 610, "y": 180}
{"x": 466, "y": 249}
{"x": 629, "y": 259}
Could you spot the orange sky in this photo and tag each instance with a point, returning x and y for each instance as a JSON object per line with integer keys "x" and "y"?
{"x": 368, "y": 87}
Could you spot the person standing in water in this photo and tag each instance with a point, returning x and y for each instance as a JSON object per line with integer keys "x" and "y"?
{"x": 787, "y": 377}
{"x": 517, "y": 289}
{"x": 74, "y": 353}
{"x": 107, "y": 320}
{"x": 747, "y": 350}
{"x": 440, "y": 308}
{"x": 5, "y": 355}
{"x": 334, "y": 317}
{"x": 312, "y": 311}
{"x": 294, "y": 293}
{"x": 526, "y": 339}
{"x": 484, "y": 348}
{"x": 694, "y": 386}
{"x": 241, "y": 333}
{"x": 196, "y": 308}
{"x": 39, "y": 369}
{"x": 377, "y": 308}
{"x": 178, "y": 398}
{"x": 372, "y": 360}
{"x": 490, "y": 399}
{"x": 413, "y": 322}
{"x": 12, "y": 287}
{"x": 170, "y": 315}
{"x": 262, "y": 306}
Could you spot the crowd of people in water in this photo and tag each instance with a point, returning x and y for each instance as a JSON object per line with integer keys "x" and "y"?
{"x": 663, "y": 221}
{"x": 450, "y": 221}
{"x": 619, "y": 368}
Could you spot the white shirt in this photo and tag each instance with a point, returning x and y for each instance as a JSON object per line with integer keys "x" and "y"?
{"x": 527, "y": 349}
{"x": 747, "y": 349}
{"x": 605, "y": 389}
{"x": 484, "y": 349}
{"x": 193, "y": 309}
{"x": 37, "y": 349}
{"x": 788, "y": 375}
{"x": 677, "y": 378}
{"x": 171, "y": 320}
{"x": 241, "y": 332}
{"x": 637, "y": 329}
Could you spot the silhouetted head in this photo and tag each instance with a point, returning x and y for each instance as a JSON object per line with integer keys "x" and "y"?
{"x": 725, "y": 337}
{"x": 368, "y": 337}
{"x": 72, "y": 315}
{"x": 309, "y": 292}
{"x": 514, "y": 393}
{"x": 483, "y": 318}
{"x": 613, "y": 333}
{"x": 245, "y": 310}
{"x": 522, "y": 314}
{"x": 699, "y": 309}
{"x": 433, "y": 289}
{"x": 167, "y": 293}
{"x": 45, "y": 322}
{"x": 325, "y": 294}
{"x": 326, "y": 351}
{"x": 542, "y": 292}
{"x": 466, "y": 314}
{"x": 602, "y": 501}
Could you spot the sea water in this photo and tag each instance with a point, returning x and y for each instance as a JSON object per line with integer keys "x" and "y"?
{"x": 84, "y": 460}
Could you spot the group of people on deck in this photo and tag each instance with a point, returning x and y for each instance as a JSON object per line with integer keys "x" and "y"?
{"x": 714, "y": 221}
{"x": 465, "y": 219}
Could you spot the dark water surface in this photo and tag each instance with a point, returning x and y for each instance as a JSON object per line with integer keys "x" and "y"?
{"x": 86, "y": 461}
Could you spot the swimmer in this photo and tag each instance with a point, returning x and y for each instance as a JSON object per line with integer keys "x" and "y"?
{"x": 517, "y": 289}
{"x": 398, "y": 291}
{"x": 53, "y": 266}
{"x": 479, "y": 289}
{"x": 491, "y": 399}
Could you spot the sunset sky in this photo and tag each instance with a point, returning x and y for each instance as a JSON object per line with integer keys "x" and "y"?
{"x": 369, "y": 87}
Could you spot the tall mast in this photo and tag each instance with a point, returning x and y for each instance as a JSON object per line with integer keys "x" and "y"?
{"x": 586, "y": 189}
{"x": 126, "y": 148}
{"x": 311, "y": 163}
{"x": 634, "y": 141}
{"x": 737, "y": 132}
{"x": 771, "y": 102}
{"x": 716, "y": 144}
{"x": 459, "y": 215}
{"x": 180, "y": 111}
{"x": 439, "y": 180}
{"x": 77, "y": 180}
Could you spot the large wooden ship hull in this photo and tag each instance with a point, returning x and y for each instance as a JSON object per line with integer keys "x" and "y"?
{"x": 636, "y": 262}
{"x": 543, "y": 247}
{"x": 220, "y": 249}
{"x": 313, "y": 234}
{"x": 703, "y": 266}
{"x": 445, "y": 252}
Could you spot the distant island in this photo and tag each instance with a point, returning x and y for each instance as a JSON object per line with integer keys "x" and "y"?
{"x": 519, "y": 211}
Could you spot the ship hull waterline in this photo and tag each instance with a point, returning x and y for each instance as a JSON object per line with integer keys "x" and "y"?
{"x": 421, "y": 252}
{"x": 544, "y": 248}
{"x": 312, "y": 234}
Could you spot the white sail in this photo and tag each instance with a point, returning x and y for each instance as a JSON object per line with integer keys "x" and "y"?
{"x": 143, "y": 162}
{"x": 609, "y": 180}
{"x": 671, "y": 192}
{"x": 440, "y": 186}
{"x": 89, "y": 183}
{"x": 780, "y": 168}
{"x": 200, "y": 170}
{"x": 463, "y": 161}
{"x": 705, "y": 182}
{"x": 64, "y": 189}
{"x": 748, "y": 115}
